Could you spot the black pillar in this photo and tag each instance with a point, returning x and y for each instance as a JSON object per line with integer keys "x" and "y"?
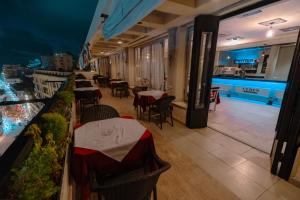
{"x": 202, "y": 63}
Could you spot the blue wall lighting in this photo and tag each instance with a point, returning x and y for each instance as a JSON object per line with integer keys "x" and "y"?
{"x": 269, "y": 92}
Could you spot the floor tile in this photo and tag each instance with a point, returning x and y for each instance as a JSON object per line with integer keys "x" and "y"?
{"x": 258, "y": 174}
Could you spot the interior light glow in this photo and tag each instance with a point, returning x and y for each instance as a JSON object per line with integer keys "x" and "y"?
{"x": 270, "y": 33}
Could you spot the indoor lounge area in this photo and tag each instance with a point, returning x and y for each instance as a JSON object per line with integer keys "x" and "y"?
{"x": 170, "y": 99}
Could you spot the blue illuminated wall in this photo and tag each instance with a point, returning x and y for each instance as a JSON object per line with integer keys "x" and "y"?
{"x": 269, "y": 92}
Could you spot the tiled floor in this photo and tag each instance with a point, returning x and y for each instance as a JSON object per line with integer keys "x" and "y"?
{"x": 209, "y": 165}
{"x": 251, "y": 123}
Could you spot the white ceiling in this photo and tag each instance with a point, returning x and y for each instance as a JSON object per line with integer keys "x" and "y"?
{"x": 253, "y": 33}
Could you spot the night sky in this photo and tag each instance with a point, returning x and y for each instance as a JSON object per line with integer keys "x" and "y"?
{"x": 30, "y": 28}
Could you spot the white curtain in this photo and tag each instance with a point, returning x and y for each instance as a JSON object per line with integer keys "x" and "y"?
{"x": 119, "y": 61}
{"x": 145, "y": 63}
{"x": 157, "y": 67}
{"x": 104, "y": 66}
{"x": 151, "y": 65}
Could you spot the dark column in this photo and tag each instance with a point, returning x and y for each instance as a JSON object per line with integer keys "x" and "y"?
{"x": 203, "y": 56}
{"x": 287, "y": 138}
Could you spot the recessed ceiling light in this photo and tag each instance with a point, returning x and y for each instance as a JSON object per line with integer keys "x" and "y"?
{"x": 224, "y": 34}
{"x": 235, "y": 38}
{"x": 250, "y": 13}
{"x": 120, "y": 42}
{"x": 273, "y": 22}
{"x": 289, "y": 29}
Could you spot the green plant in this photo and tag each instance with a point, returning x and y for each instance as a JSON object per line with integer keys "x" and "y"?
{"x": 35, "y": 132}
{"x": 33, "y": 181}
{"x": 67, "y": 97}
{"x": 56, "y": 124}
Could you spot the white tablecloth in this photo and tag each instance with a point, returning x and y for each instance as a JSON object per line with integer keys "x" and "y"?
{"x": 113, "y": 137}
{"x": 82, "y": 80}
{"x": 86, "y": 89}
{"x": 156, "y": 94}
{"x": 117, "y": 82}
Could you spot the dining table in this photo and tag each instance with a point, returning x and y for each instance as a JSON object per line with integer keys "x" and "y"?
{"x": 84, "y": 80}
{"x": 109, "y": 148}
{"x": 146, "y": 98}
{"x": 83, "y": 83}
{"x": 83, "y": 92}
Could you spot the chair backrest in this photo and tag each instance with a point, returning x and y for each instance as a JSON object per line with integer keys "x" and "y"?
{"x": 123, "y": 85}
{"x": 137, "y": 186}
{"x": 163, "y": 104}
{"x": 80, "y": 76}
{"x": 98, "y": 112}
{"x": 83, "y": 84}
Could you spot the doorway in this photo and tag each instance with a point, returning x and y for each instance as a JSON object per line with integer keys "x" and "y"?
{"x": 251, "y": 68}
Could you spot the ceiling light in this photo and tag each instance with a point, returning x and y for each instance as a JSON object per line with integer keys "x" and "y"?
{"x": 289, "y": 29}
{"x": 120, "y": 42}
{"x": 270, "y": 33}
{"x": 250, "y": 13}
{"x": 273, "y": 22}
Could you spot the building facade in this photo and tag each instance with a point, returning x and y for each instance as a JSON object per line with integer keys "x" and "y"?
{"x": 46, "y": 83}
{"x": 63, "y": 61}
{"x": 48, "y": 62}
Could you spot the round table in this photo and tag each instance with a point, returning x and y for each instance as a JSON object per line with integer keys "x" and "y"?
{"x": 86, "y": 89}
{"x": 148, "y": 97}
{"x": 155, "y": 94}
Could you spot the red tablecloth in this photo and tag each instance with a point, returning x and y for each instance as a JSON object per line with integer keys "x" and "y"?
{"x": 85, "y": 159}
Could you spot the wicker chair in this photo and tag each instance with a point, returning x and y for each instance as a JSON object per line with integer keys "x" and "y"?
{"x": 103, "y": 81}
{"x": 80, "y": 76}
{"x": 122, "y": 89}
{"x": 134, "y": 185}
{"x": 163, "y": 108}
{"x": 135, "y": 92}
{"x": 98, "y": 112}
{"x": 87, "y": 99}
{"x": 80, "y": 84}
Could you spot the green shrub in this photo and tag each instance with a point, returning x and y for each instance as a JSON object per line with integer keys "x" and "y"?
{"x": 67, "y": 97}
{"x": 56, "y": 124}
{"x": 33, "y": 181}
{"x": 35, "y": 132}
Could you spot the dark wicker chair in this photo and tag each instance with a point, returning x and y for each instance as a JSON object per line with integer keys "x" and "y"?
{"x": 163, "y": 108}
{"x": 135, "y": 185}
{"x": 80, "y": 84}
{"x": 103, "y": 81}
{"x": 87, "y": 99}
{"x": 98, "y": 112}
{"x": 80, "y": 76}
{"x": 135, "y": 92}
{"x": 122, "y": 89}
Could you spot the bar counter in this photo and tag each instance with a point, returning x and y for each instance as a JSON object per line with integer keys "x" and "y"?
{"x": 267, "y": 91}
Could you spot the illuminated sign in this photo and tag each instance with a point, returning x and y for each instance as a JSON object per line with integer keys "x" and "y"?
{"x": 254, "y": 91}
{"x": 245, "y": 61}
